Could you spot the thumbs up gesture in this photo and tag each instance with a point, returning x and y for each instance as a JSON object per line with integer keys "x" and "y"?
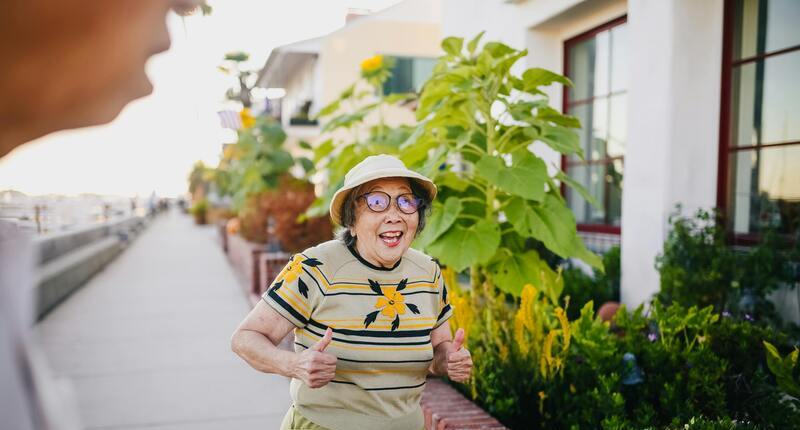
{"x": 314, "y": 366}
{"x": 459, "y": 360}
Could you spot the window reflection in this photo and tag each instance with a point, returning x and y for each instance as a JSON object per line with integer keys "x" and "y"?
{"x": 598, "y": 67}
{"x": 766, "y": 189}
{"x": 766, "y": 26}
{"x": 766, "y": 97}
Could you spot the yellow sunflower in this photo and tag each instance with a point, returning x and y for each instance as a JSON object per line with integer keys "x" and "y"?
{"x": 392, "y": 303}
{"x": 372, "y": 63}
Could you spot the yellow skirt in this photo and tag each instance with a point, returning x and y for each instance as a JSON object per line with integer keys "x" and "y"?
{"x": 294, "y": 421}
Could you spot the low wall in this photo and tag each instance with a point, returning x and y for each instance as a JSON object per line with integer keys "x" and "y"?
{"x": 68, "y": 260}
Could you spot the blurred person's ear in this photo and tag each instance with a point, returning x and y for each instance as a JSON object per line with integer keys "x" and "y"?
{"x": 75, "y": 63}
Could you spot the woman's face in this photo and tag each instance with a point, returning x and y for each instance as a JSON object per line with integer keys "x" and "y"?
{"x": 383, "y": 237}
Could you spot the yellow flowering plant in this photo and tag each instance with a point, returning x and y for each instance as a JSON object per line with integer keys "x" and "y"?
{"x": 377, "y": 69}
{"x": 354, "y": 127}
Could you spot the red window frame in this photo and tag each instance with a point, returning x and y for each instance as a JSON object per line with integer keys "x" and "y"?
{"x": 724, "y": 180}
{"x": 589, "y": 228}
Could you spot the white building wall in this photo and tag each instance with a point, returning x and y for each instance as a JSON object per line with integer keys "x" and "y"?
{"x": 673, "y": 127}
{"x": 299, "y": 89}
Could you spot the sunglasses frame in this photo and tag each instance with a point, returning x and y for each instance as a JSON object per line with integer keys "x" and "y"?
{"x": 420, "y": 202}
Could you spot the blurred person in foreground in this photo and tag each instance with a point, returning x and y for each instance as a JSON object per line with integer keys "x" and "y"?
{"x": 66, "y": 64}
{"x": 369, "y": 313}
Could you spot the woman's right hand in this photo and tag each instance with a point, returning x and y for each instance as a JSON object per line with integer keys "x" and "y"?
{"x": 314, "y": 366}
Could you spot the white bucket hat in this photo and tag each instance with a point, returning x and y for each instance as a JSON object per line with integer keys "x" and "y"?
{"x": 371, "y": 168}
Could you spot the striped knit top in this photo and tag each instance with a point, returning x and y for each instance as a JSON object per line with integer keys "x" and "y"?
{"x": 381, "y": 319}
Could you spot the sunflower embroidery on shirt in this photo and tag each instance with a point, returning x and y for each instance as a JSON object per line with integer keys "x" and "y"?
{"x": 390, "y": 303}
{"x": 292, "y": 271}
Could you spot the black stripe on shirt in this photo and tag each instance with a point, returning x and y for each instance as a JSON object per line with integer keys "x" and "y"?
{"x": 319, "y": 287}
{"x": 443, "y": 312}
{"x": 368, "y": 333}
{"x": 359, "y": 342}
{"x": 374, "y": 361}
{"x": 279, "y": 300}
{"x": 365, "y": 283}
{"x": 378, "y": 388}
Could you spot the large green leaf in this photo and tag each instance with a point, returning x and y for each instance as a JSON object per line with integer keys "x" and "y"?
{"x": 498, "y": 49}
{"x": 461, "y": 247}
{"x": 559, "y": 138}
{"x": 512, "y": 270}
{"x": 398, "y": 97}
{"x": 442, "y": 217}
{"x": 329, "y": 109}
{"x": 473, "y": 44}
{"x": 525, "y": 177}
{"x": 577, "y": 186}
{"x": 452, "y": 180}
{"x": 323, "y": 150}
{"x": 546, "y": 113}
{"x": 536, "y": 77}
{"x": 453, "y": 45}
{"x": 434, "y": 91}
{"x": 553, "y": 224}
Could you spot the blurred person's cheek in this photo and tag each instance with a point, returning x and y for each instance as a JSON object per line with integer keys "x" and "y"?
{"x": 84, "y": 60}
{"x": 127, "y": 41}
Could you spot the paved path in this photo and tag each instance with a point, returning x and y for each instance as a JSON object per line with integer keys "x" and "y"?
{"x": 146, "y": 343}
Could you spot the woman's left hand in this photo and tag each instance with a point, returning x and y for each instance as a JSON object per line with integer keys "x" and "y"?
{"x": 459, "y": 360}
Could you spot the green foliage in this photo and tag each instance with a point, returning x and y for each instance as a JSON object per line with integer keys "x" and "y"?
{"x": 355, "y": 125}
{"x": 599, "y": 287}
{"x": 697, "y": 266}
{"x": 702, "y": 423}
{"x": 256, "y": 162}
{"x": 477, "y": 119}
{"x": 785, "y": 369}
{"x": 690, "y": 368}
{"x": 200, "y": 178}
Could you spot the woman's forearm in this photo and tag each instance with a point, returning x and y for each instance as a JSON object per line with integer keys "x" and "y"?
{"x": 439, "y": 364}
{"x": 260, "y": 353}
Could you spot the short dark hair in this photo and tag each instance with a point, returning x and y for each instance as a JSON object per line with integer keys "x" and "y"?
{"x": 348, "y": 212}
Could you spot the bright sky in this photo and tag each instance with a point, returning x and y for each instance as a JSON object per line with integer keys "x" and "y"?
{"x": 152, "y": 145}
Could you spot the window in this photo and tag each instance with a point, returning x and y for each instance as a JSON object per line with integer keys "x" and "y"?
{"x": 596, "y": 62}
{"x": 760, "y": 126}
{"x": 409, "y": 74}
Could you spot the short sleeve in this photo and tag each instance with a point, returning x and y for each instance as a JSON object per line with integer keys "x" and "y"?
{"x": 293, "y": 293}
{"x": 445, "y": 308}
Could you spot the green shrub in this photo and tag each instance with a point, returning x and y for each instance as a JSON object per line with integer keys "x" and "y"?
{"x": 664, "y": 368}
{"x": 698, "y": 267}
{"x": 598, "y": 288}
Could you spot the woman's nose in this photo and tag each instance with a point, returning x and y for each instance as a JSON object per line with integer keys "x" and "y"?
{"x": 393, "y": 213}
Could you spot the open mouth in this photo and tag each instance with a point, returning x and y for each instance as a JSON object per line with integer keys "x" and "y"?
{"x": 391, "y": 238}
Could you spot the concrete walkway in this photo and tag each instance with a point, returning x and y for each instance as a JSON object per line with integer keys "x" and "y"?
{"x": 146, "y": 341}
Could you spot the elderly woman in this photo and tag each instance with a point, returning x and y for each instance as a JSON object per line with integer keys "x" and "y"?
{"x": 369, "y": 313}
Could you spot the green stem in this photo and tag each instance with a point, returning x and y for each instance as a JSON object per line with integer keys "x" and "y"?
{"x": 477, "y": 149}
{"x": 469, "y": 216}
{"x": 506, "y": 137}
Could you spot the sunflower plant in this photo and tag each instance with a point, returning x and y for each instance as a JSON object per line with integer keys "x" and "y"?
{"x": 355, "y": 127}
{"x": 477, "y": 120}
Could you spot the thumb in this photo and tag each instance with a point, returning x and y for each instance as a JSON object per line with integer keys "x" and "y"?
{"x": 458, "y": 340}
{"x": 323, "y": 343}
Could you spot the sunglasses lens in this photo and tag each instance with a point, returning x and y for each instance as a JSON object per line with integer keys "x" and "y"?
{"x": 407, "y": 203}
{"x": 378, "y": 202}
